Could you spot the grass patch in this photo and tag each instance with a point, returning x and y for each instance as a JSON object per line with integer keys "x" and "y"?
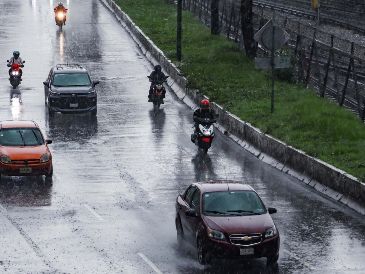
{"x": 219, "y": 69}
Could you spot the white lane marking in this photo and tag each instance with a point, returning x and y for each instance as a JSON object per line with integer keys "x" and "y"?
{"x": 93, "y": 212}
{"x": 151, "y": 264}
{"x": 291, "y": 254}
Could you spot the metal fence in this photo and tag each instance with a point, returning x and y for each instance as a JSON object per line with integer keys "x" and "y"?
{"x": 334, "y": 66}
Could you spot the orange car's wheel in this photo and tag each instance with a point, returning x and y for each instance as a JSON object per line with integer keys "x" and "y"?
{"x": 48, "y": 179}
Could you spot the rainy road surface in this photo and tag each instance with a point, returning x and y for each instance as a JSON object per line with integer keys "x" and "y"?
{"x": 111, "y": 207}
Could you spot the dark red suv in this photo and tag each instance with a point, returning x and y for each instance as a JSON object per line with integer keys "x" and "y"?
{"x": 226, "y": 219}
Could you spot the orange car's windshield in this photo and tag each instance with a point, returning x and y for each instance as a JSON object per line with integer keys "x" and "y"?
{"x": 21, "y": 137}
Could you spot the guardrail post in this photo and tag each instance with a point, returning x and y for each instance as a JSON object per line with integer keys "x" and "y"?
{"x": 230, "y": 21}
{"x": 351, "y": 63}
{"x": 328, "y": 64}
{"x": 307, "y": 78}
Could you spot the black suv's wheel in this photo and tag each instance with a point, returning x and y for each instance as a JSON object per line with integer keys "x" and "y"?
{"x": 179, "y": 233}
{"x": 50, "y": 112}
{"x": 202, "y": 252}
{"x": 272, "y": 261}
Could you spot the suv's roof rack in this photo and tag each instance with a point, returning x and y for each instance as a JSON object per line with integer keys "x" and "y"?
{"x": 67, "y": 65}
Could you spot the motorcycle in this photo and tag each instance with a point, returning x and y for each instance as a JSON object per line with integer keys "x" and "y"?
{"x": 15, "y": 74}
{"x": 204, "y": 137}
{"x": 158, "y": 93}
{"x": 60, "y": 17}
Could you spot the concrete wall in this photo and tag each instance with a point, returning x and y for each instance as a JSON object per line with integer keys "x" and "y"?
{"x": 323, "y": 177}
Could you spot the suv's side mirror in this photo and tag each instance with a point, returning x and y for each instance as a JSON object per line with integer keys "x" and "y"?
{"x": 45, "y": 83}
{"x": 48, "y": 142}
{"x": 7, "y": 61}
{"x": 96, "y": 83}
{"x": 191, "y": 213}
{"x": 23, "y": 62}
{"x": 272, "y": 210}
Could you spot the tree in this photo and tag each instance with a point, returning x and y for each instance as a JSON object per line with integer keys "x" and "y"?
{"x": 247, "y": 27}
{"x": 214, "y": 25}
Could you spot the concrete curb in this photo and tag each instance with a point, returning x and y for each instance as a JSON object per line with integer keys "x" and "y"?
{"x": 324, "y": 178}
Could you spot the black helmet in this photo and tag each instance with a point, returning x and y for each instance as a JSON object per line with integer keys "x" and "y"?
{"x": 60, "y": 4}
{"x": 158, "y": 68}
{"x": 16, "y": 54}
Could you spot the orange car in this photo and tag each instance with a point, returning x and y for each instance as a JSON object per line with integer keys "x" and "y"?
{"x": 23, "y": 150}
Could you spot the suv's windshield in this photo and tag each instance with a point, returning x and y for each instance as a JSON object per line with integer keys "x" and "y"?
{"x": 230, "y": 203}
{"x": 21, "y": 137}
{"x": 71, "y": 80}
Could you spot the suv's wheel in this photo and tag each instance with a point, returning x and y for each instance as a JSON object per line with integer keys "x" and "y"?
{"x": 202, "y": 252}
{"x": 272, "y": 261}
{"x": 179, "y": 233}
{"x": 50, "y": 112}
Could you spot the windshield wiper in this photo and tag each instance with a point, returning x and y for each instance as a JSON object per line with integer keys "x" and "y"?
{"x": 21, "y": 135}
{"x": 214, "y": 212}
{"x": 36, "y": 137}
{"x": 245, "y": 211}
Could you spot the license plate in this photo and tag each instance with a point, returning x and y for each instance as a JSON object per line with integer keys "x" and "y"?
{"x": 247, "y": 251}
{"x": 25, "y": 170}
{"x": 76, "y": 105}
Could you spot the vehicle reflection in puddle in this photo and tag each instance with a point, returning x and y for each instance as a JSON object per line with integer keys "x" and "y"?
{"x": 61, "y": 43}
{"x": 72, "y": 127}
{"x": 16, "y": 104}
{"x": 203, "y": 167}
{"x": 217, "y": 265}
{"x": 25, "y": 192}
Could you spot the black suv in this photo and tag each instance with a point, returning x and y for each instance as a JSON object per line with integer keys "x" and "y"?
{"x": 69, "y": 89}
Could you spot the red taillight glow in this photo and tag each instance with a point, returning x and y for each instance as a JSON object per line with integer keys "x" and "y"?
{"x": 206, "y": 139}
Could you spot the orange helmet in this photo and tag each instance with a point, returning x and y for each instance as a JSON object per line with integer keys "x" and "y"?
{"x": 204, "y": 104}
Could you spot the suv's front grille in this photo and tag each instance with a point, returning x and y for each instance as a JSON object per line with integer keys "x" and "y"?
{"x": 245, "y": 239}
{"x": 25, "y": 162}
{"x": 65, "y": 101}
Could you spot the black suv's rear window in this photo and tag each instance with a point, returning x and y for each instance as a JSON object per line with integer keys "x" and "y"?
{"x": 71, "y": 80}
{"x": 21, "y": 137}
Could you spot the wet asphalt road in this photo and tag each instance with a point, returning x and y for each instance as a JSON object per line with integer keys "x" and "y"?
{"x": 111, "y": 207}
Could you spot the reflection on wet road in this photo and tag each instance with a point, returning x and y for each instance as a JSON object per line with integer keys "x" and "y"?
{"x": 111, "y": 207}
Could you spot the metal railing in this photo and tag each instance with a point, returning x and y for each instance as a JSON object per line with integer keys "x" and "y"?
{"x": 333, "y": 66}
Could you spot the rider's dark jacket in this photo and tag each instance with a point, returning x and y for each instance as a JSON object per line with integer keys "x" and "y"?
{"x": 204, "y": 113}
{"x": 157, "y": 77}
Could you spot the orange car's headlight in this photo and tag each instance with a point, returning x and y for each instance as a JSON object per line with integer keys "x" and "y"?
{"x": 45, "y": 158}
{"x": 5, "y": 159}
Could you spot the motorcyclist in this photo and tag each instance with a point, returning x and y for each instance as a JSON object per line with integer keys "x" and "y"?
{"x": 61, "y": 8}
{"x": 15, "y": 60}
{"x": 204, "y": 111}
{"x": 156, "y": 77}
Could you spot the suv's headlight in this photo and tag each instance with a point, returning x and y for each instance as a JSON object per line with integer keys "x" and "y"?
{"x": 5, "y": 159}
{"x": 215, "y": 234}
{"x": 45, "y": 158}
{"x": 271, "y": 232}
